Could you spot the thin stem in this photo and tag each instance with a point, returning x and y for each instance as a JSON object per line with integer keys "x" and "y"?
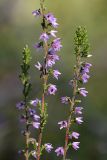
{"x": 41, "y": 129}
{"x": 72, "y": 102}
{"x": 27, "y": 130}
{"x": 69, "y": 120}
{"x": 45, "y": 78}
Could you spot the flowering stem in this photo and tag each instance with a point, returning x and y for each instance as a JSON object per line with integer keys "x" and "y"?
{"x": 27, "y": 130}
{"x": 45, "y": 78}
{"x": 24, "y": 77}
{"x": 81, "y": 70}
{"x": 72, "y": 104}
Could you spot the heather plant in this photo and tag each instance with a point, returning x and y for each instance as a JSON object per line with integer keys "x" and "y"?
{"x": 48, "y": 45}
{"x": 34, "y": 113}
{"x": 23, "y": 106}
{"x": 80, "y": 77}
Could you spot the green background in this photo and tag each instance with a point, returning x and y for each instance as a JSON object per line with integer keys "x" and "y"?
{"x": 18, "y": 27}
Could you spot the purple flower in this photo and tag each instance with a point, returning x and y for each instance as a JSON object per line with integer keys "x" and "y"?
{"x": 20, "y": 105}
{"x": 79, "y": 120}
{"x": 35, "y": 102}
{"x": 44, "y": 37}
{"x": 87, "y": 65}
{"x": 32, "y": 111}
{"x": 38, "y": 66}
{"x": 75, "y": 145}
{"x": 51, "y": 59}
{"x": 74, "y": 135}
{"x": 65, "y": 100}
{"x": 52, "y": 89}
{"x": 85, "y": 68}
{"x": 60, "y": 151}
{"x": 36, "y": 117}
{"x": 51, "y": 19}
{"x": 63, "y": 124}
{"x": 48, "y": 147}
{"x": 83, "y": 92}
{"x": 56, "y": 74}
{"x": 56, "y": 44}
{"x": 85, "y": 78}
{"x": 36, "y": 125}
{"x": 36, "y": 12}
{"x": 51, "y": 51}
{"x": 52, "y": 33}
{"x": 23, "y": 118}
{"x": 38, "y": 46}
{"x": 78, "y": 110}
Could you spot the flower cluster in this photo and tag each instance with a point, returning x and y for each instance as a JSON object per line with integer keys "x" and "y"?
{"x": 84, "y": 70}
{"x": 33, "y": 118}
{"x": 49, "y": 41}
{"x": 26, "y": 112}
{"x": 34, "y": 112}
{"x": 81, "y": 76}
{"x": 49, "y": 44}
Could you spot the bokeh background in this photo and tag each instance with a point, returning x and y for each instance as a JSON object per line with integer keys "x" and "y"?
{"x": 17, "y": 28}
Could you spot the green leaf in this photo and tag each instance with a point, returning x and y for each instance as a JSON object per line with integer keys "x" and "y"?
{"x": 81, "y": 42}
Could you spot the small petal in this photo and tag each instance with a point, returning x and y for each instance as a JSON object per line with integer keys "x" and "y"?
{"x": 51, "y": 19}
{"x": 20, "y": 105}
{"x": 79, "y": 120}
{"x": 23, "y": 118}
{"x": 56, "y": 44}
{"x": 78, "y": 110}
{"x": 51, "y": 59}
{"x": 36, "y": 12}
{"x": 56, "y": 74}
{"x": 63, "y": 124}
{"x": 74, "y": 135}
{"x": 83, "y": 92}
{"x": 36, "y": 125}
{"x": 85, "y": 78}
{"x": 38, "y": 66}
{"x": 60, "y": 151}
{"x": 48, "y": 147}
{"x": 36, "y": 117}
{"x": 52, "y": 89}
{"x": 65, "y": 100}
{"x": 38, "y": 46}
{"x": 52, "y": 33}
{"x": 32, "y": 111}
{"x": 44, "y": 37}
{"x": 35, "y": 102}
{"x": 75, "y": 145}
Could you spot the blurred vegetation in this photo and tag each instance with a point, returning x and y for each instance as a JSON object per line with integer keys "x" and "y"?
{"x": 18, "y": 27}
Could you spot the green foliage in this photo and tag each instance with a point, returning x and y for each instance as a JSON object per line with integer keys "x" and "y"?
{"x": 25, "y": 66}
{"x": 43, "y": 116}
{"x": 81, "y": 42}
